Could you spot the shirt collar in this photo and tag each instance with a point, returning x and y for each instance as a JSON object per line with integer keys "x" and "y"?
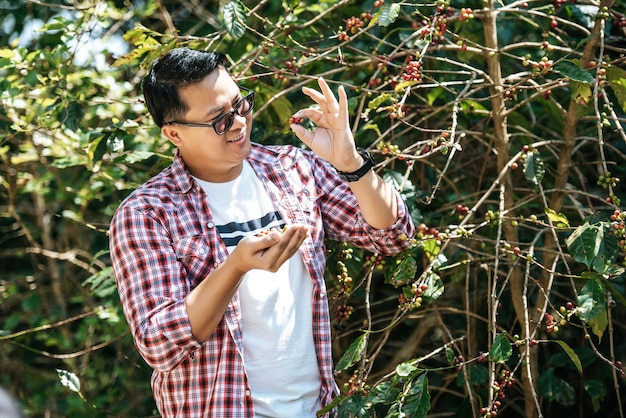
{"x": 180, "y": 174}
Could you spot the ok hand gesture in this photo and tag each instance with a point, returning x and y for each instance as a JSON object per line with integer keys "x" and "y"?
{"x": 332, "y": 140}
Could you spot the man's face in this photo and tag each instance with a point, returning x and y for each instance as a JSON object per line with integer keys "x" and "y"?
{"x": 209, "y": 156}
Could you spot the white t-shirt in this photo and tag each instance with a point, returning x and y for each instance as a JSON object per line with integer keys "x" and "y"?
{"x": 276, "y": 308}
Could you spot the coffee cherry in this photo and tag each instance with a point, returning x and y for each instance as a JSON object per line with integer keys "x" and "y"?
{"x": 295, "y": 120}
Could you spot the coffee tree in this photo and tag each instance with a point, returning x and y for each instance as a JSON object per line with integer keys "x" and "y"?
{"x": 501, "y": 124}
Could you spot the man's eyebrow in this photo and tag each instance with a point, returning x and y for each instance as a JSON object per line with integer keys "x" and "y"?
{"x": 218, "y": 110}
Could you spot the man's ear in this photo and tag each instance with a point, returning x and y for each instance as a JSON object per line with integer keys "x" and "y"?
{"x": 171, "y": 133}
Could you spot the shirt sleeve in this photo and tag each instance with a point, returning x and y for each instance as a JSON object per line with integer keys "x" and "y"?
{"x": 152, "y": 287}
{"x": 344, "y": 222}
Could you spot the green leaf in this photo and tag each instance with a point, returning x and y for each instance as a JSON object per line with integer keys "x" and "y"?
{"x": 136, "y": 156}
{"x": 617, "y": 80}
{"x": 559, "y": 219}
{"x": 617, "y": 295}
{"x": 404, "y": 84}
{"x": 418, "y": 404}
{"x": 435, "y": 287}
{"x": 573, "y": 72}
{"x": 596, "y": 391}
{"x": 73, "y": 114}
{"x": 534, "y": 169}
{"x": 69, "y": 380}
{"x": 449, "y": 356}
{"x": 591, "y": 301}
{"x": 102, "y": 282}
{"x": 388, "y": 14}
{"x": 599, "y": 323}
{"x": 96, "y": 149}
{"x": 572, "y": 355}
{"x": 556, "y": 389}
{"x": 581, "y": 92}
{"x": 403, "y": 269}
{"x": 235, "y": 19}
{"x": 384, "y": 393}
{"x": 6, "y": 53}
{"x": 501, "y": 350}
{"x": 431, "y": 248}
{"x": 353, "y": 354}
{"x": 377, "y": 101}
{"x": 477, "y": 374}
{"x": 405, "y": 369}
{"x": 594, "y": 246}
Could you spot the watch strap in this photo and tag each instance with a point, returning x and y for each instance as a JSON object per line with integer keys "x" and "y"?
{"x": 368, "y": 164}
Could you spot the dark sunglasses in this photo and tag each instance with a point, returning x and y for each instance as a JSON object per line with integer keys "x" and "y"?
{"x": 224, "y": 122}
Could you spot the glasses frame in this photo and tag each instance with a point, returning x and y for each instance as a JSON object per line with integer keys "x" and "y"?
{"x": 249, "y": 96}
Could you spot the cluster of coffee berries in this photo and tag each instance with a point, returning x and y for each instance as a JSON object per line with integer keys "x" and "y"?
{"x": 343, "y": 36}
{"x": 491, "y": 411}
{"x": 295, "y": 120}
{"x": 559, "y": 3}
{"x": 355, "y": 385}
{"x": 461, "y": 211}
{"x": 566, "y": 312}
{"x": 343, "y": 312}
{"x": 618, "y": 225}
{"x": 343, "y": 277}
{"x": 345, "y": 252}
{"x": 353, "y": 24}
{"x": 619, "y": 21}
{"x": 378, "y": 261}
{"x": 292, "y": 65}
{"x": 424, "y": 231}
{"x": 607, "y": 180}
{"x": 458, "y": 362}
{"x": 543, "y": 66}
{"x": 603, "y": 13}
{"x": 500, "y": 386}
{"x": 395, "y": 111}
{"x": 412, "y": 70}
{"x": 409, "y": 302}
{"x": 550, "y": 323}
{"x": 378, "y": 3}
{"x": 386, "y": 148}
{"x": 372, "y": 82}
{"x": 492, "y": 217}
{"x": 466, "y": 13}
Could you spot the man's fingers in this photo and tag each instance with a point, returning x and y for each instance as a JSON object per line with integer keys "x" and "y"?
{"x": 329, "y": 96}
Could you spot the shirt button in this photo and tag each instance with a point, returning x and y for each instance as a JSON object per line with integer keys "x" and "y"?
{"x": 201, "y": 251}
{"x": 248, "y": 393}
{"x": 210, "y": 224}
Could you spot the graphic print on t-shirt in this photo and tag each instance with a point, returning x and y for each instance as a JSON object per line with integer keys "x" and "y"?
{"x": 233, "y": 232}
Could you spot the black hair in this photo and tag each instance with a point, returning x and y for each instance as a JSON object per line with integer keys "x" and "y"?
{"x": 178, "y": 68}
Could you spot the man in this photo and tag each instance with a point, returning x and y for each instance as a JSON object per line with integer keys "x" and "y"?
{"x": 220, "y": 258}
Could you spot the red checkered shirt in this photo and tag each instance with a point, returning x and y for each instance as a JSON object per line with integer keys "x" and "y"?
{"x": 163, "y": 243}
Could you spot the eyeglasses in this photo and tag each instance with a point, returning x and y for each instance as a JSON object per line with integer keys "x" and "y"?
{"x": 224, "y": 122}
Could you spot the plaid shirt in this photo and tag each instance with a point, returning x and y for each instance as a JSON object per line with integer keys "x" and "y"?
{"x": 163, "y": 243}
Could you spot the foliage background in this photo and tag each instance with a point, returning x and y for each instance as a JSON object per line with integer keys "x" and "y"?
{"x": 502, "y": 123}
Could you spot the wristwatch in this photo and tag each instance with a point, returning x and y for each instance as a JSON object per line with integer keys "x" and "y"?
{"x": 368, "y": 163}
